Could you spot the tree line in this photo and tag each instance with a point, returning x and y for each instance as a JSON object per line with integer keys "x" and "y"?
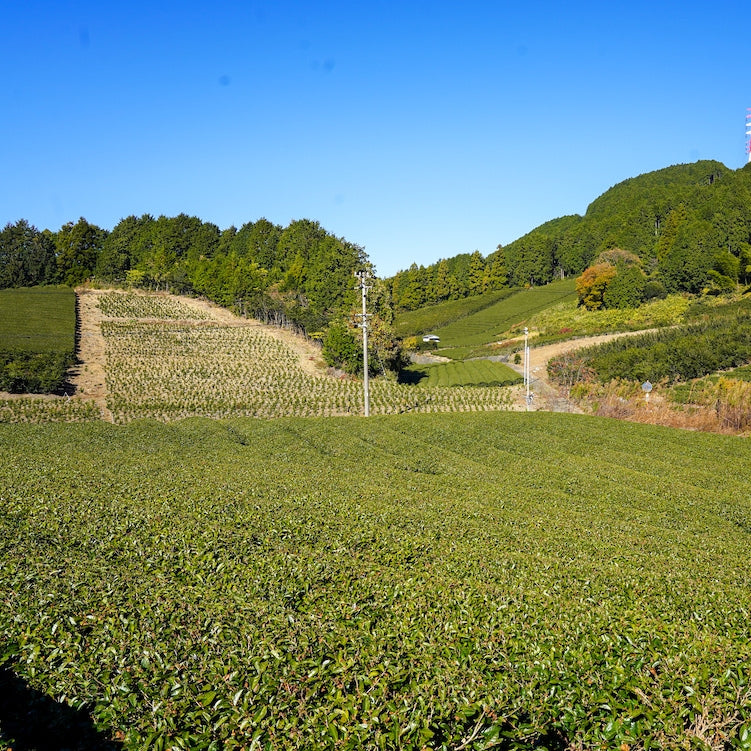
{"x": 464, "y": 275}
{"x": 299, "y": 276}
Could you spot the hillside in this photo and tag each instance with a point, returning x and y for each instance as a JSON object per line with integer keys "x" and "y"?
{"x": 684, "y": 222}
{"x": 160, "y": 356}
{"x": 688, "y": 224}
{"x": 492, "y": 322}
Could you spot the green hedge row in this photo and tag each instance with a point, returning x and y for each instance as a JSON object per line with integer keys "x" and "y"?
{"x": 675, "y": 354}
{"x": 37, "y": 338}
{"x": 33, "y": 372}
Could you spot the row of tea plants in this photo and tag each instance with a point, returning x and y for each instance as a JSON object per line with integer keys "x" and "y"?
{"x": 37, "y": 338}
{"x": 169, "y": 370}
{"x": 494, "y": 580}
{"x": 40, "y": 409}
{"x": 142, "y": 305}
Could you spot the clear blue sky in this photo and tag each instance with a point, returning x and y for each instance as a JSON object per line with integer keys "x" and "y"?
{"x": 418, "y": 129}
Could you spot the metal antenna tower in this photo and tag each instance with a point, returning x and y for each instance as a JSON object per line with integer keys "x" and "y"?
{"x": 748, "y": 133}
{"x": 362, "y": 275}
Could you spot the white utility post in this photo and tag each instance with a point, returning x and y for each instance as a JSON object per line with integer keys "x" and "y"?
{"x": 363, "y": 277}
{"x": 526, "y": 366}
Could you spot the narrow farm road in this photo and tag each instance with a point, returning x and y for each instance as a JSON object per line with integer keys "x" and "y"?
{"x": 546, "y": 395}
{"x": 88, "y": 376}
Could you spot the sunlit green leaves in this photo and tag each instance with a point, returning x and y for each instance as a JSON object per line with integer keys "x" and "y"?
{"x": 404, "y": 582}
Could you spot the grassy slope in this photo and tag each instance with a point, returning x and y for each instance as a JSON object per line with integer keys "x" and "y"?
{"x": 424, "y": 320}
{"x": 406, "y": 581}
{"x": 492, "y": 322}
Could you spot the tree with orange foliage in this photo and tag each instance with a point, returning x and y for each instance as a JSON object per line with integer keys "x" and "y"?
{"x": 593, "y": 283}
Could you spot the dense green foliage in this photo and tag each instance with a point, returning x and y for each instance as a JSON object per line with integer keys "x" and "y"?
{"x": 527, "y": 580}
{"x": 27, "y": 256}
{"x": 464, "y": 275}
{"x": 78, "y": 247}
{"x": 37, "y": 338}
{"x": 299, "y": 275}
{"x": 674, "y": 354}
{"x": 689, "y": 227}
{"x": 469, "y": 373}
{"x": 689, "y": 224}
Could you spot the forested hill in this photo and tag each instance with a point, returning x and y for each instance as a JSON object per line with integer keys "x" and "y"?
{"x": 689, "y": 225}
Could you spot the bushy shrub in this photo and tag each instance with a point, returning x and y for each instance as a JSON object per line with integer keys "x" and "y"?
{"x": 341, "y": 349}
{"x": 675, "y": 354}
{"x": 33, "y": 372}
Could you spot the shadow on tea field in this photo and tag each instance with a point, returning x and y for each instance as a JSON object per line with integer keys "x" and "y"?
{"x": 32, "y": 721}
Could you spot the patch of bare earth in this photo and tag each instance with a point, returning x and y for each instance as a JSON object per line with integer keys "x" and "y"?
{"x": 88, "y": 376}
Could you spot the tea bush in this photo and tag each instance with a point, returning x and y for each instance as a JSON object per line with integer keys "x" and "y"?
{"x": 516, "y": 581}
{"x": 675, "y": 354}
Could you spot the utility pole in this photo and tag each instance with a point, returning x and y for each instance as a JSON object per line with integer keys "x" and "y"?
{"x": 362, "y": 275}
{"x": 528, "y": 396}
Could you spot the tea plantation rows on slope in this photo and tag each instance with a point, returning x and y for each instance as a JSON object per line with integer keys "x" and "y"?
{"x": 37, "y": 338}
{"x": 466, "y": 581}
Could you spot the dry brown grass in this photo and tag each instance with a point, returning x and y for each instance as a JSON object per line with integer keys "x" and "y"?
{"x": 729, "y": 414}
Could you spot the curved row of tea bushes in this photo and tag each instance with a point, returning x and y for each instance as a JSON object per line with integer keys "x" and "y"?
{"x": 454, "y": 581}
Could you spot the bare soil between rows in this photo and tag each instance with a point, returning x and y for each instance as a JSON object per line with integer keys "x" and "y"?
{"x": 87, "y": 379}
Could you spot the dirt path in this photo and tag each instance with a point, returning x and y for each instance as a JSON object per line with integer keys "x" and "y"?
{"x": 87, "y": 378}
{"x": 546, "y": 395}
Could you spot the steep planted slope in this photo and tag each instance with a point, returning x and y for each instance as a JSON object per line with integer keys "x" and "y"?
{"x": 172, "y": 366}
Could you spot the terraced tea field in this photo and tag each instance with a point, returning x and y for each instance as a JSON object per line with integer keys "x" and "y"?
{"x": 457, "y": 373}
{"x": 490, "y": 323}
{"x": 37, "y": 338}
{"x": 169, "y": 363}
{"x": 496, "y": 580}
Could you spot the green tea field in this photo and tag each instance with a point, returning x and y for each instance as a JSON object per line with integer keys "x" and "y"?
{"x": 424, "y": 320}
{"x": 464, "y": 581}
{"x": 490, "y": 323}
{"x": 463, "y": 373}
{"x": 37, "y": 338}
